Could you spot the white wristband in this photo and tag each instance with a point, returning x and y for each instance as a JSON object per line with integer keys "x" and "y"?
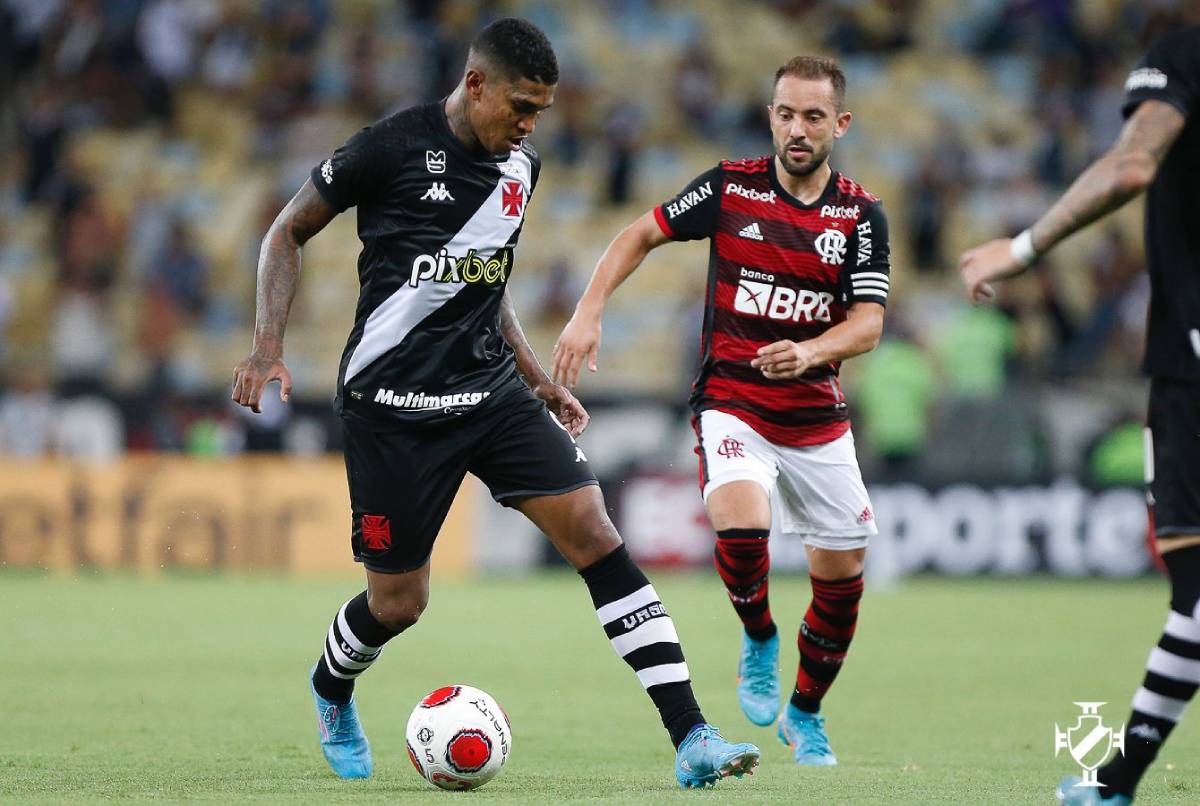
{"x": 1022, "y": 249}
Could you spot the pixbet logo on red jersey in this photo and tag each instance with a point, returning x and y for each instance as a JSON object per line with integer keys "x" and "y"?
{"x": 757, "y": 295}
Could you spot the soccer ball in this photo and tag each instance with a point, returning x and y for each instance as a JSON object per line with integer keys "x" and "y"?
{"x": 458, "y": 737}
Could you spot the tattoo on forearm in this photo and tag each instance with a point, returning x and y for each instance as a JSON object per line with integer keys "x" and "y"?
{"x": 279, "y": 265}
{"x": 1103, "y": 187}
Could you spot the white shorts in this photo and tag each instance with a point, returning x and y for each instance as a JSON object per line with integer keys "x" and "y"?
{"x": 817, "y": 492}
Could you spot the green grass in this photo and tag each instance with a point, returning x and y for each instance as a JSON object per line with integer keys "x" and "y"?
{"x": 194, "y": 688}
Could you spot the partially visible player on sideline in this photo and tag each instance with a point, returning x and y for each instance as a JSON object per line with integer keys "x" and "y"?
{"x": 437, "y": 379}
{"x": 1159, "y": 151}
{"x": 798, "y": 279}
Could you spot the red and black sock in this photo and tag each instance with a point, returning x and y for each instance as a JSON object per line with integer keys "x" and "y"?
{"x": 824, "y": 638}
{"x": 742, "y": 562}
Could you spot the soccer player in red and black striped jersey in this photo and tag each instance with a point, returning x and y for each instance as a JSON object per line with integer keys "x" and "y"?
{"x": 798, "y": 280}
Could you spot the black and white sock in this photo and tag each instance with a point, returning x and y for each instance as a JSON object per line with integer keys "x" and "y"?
{"x": 1172, "y": 677}
{"x": 642, "y": 633}
{"x": 353, "y": 643}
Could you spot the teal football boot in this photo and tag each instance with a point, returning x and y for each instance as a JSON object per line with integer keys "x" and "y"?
{"x": 758, "y": 679}
{"x": 805, "y": 734}
{"x": 705, "y": 757}
{"x": 1068, "y": 794}
{"x": 342, "y": 738}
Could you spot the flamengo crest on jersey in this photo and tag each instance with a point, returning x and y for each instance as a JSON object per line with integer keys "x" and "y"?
{"x": 484, "y": 235}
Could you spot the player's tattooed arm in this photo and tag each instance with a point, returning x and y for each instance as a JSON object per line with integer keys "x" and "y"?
{"x": 1122, "y": 173}
{"x": 558, "y": 399}
{"x": 278, "y": 275}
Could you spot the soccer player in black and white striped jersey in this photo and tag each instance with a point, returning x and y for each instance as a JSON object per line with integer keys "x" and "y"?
{"x": 1158, "y": 151}
{"x": 437, "y": 379}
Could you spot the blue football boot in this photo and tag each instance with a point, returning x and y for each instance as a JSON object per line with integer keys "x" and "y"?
{"x": 805, "y": 734}
{"x": 342, "y": 738}
{"x": 758, "y": 679}
{"x": 705, "y": 757}
{"x": 1069, "y": 794}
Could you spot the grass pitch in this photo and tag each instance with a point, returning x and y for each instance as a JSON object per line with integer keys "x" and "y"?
{"x": 194, "y": 688}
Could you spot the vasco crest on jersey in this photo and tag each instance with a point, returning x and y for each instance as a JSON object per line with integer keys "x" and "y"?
{"x": 512, "y": 198}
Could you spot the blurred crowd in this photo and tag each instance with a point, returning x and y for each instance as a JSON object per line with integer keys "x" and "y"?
{"x": 148, "y": 144}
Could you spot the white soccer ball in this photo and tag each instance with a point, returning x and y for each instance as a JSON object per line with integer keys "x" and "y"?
{"x": 458, "y": 737}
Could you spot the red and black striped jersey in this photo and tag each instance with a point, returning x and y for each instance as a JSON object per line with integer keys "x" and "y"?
{"x": 778, "y": 269}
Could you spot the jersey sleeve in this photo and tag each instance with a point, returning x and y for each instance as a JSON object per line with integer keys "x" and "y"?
{"x": 866, "y": 276}
{"x": 692, "y": 214}
{"x": 355, "y": 172}
{"x": 1169, "y": 72}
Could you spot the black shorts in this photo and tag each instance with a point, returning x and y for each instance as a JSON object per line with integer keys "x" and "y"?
{"x": 402, "y": 482}
{"x": 1174, "y": 420}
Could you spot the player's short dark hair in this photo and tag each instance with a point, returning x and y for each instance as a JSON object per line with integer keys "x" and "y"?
{"x": 520, "y": 48}
{"x": 815, "y": 68}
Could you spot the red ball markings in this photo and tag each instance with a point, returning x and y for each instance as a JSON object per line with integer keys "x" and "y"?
{"x": 440, "y": 696}
{"x": 469, "y": 750}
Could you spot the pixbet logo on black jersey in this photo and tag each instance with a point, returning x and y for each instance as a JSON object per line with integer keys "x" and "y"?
{"x": 470, "y": 268}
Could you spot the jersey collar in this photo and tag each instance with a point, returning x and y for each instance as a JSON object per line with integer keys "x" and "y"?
{"x": 830, "y": 186}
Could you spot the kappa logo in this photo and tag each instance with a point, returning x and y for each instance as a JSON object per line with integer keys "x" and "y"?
{"x": 831, "y": 246}
{"x": 437, "y": 192}
{"x": 512, "y": 199}
{"x": 758, "y": 296}
{"x": 750, "y": 193}
{"x": 1147, "y": 732}
{"x": 435, "y": 162}
{"x": 751, "y": 231}
{"x": 327, "y": 171}
{"x": 689, "y": 200}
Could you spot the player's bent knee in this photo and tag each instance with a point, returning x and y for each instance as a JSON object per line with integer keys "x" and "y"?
{"x": 398, "y": 612}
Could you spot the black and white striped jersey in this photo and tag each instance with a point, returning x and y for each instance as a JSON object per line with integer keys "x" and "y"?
{"x": 438, "y": 226}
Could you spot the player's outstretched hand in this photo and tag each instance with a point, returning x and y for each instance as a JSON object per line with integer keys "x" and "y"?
{"x": 563, "y": 405}
{"x": 579, "y": 342}
{"x": 983, "y": 265}
{"x": 783, "y": 359}
{"x": 251, "y": 377}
